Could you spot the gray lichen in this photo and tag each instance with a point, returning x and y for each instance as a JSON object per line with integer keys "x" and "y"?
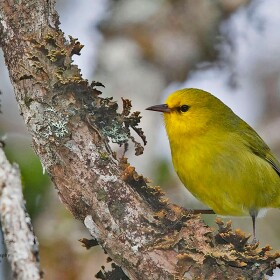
{"x": 56, "y": 123}
{"x": 115, "y": 132}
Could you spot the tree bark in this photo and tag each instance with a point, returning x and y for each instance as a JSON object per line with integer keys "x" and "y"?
{"x": 21, "y": 243}
{"x": 71, "y": 125}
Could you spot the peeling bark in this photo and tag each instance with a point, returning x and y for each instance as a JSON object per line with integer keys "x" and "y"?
{"x": 71, "y": 125}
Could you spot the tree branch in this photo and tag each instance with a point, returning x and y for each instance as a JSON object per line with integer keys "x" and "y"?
{"x": 21, "y": 243}
{"x": 71, "y": 126}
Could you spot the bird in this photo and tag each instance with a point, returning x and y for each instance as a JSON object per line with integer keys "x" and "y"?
{"x": 218, "y": 157}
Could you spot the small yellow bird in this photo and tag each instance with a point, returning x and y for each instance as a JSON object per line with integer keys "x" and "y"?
{"x": 219, "y": 158}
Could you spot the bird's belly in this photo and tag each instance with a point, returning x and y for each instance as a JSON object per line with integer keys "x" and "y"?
{"x": 223, "y": 184}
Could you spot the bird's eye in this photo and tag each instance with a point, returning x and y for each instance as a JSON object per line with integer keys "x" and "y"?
{"x": 184, "y": 108}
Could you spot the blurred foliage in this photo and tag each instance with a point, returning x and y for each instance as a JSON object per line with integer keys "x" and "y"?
{"x": 62, "y": 259}
{"x": 35, "y": 183}
{"x": 173, "y": 36}
{"x": 162, "y": 174}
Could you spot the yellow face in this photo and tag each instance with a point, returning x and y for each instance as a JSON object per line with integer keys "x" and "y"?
{"x": 193, "y": 111}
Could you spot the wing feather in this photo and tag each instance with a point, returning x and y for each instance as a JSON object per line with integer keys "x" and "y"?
{"x": 255, "y": 143}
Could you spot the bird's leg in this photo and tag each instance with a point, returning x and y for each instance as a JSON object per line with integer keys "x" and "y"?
{"x": 254, "y": 226}
{"x": 202, "y": 211}
{"x": 195, "y": 212}
{"x": 253, "y": 214}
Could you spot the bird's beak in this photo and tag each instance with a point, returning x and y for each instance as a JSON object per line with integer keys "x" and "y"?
{"x": 159, "y": 108}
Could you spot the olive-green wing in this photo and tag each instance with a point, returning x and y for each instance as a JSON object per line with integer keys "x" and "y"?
{"x": 255, "y": 143}
{"x": 273, "y": 162}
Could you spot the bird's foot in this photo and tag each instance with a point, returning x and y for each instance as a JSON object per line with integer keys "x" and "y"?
{"x": 255, "y": 241}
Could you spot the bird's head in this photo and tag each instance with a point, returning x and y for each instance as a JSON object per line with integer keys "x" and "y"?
{"x": 192, "y": 112}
